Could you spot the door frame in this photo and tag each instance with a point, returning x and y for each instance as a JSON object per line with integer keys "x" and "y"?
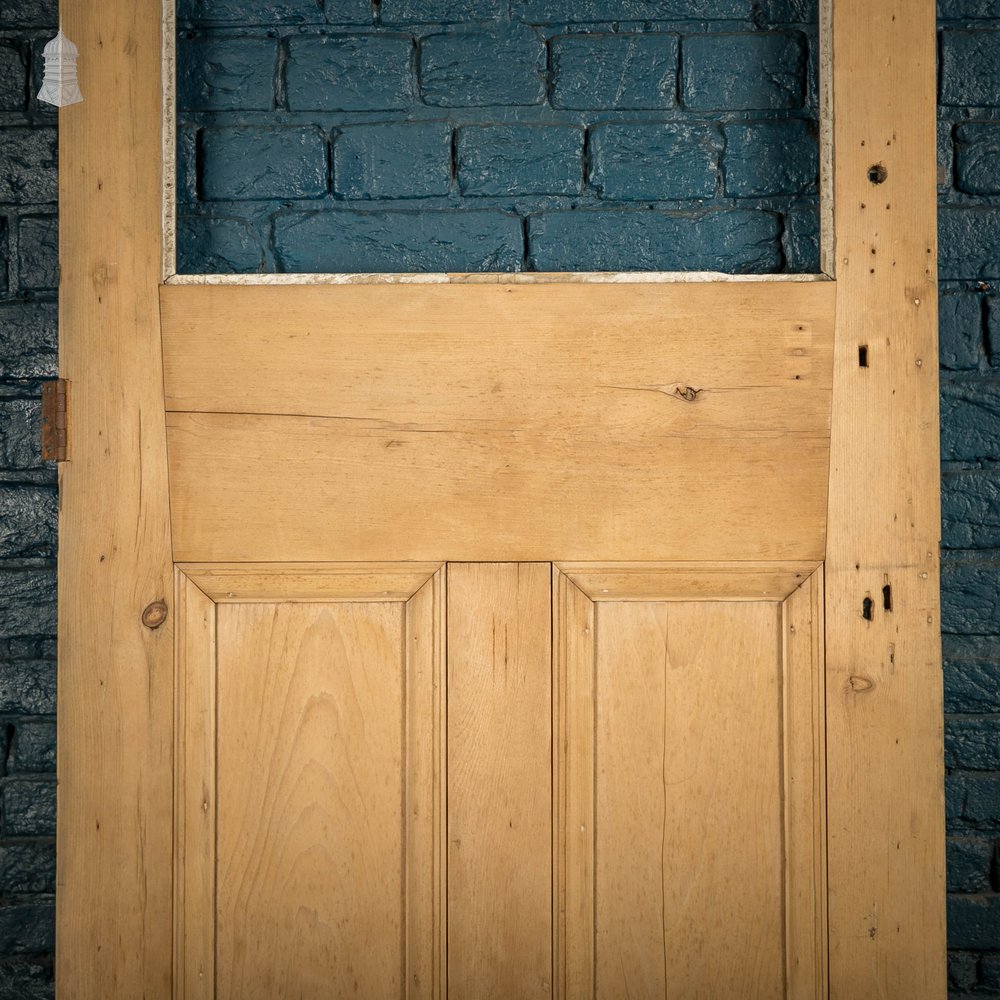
{"x": 884, "y": 722}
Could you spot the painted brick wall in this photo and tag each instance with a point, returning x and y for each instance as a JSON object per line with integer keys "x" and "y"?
{"x": 28, "y": 281}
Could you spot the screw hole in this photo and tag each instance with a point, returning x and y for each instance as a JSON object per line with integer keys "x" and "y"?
{"x": 863, "y": 356}
{"x": 877, "y": 173}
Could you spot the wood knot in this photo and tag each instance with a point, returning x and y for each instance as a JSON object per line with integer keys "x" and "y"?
{"x": 155, "y": 614}
{"x": 686, "y": 392}
{"x": 860, "y": 684}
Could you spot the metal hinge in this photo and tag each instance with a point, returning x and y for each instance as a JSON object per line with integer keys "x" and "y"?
{"x": 54, "y": 420}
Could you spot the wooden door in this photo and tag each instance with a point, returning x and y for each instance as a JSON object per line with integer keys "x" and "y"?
{"x": 501, "y": 637}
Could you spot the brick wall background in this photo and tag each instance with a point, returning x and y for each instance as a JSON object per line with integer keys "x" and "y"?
{"x": 423, "y": 168}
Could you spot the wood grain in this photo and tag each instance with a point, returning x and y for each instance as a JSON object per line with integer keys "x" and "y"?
{"x": 884, "y": 699}
{"x": 499, "y": 782}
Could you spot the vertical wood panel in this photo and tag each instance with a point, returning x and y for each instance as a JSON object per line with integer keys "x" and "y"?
{"x": 499, "y": 781}
{"x": 884, "y": 700}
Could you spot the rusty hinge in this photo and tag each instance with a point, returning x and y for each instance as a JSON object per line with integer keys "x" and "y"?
{"x": 54, "y": 420}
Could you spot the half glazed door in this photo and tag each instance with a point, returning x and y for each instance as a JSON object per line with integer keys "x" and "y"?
{"x": 484, "y": 637}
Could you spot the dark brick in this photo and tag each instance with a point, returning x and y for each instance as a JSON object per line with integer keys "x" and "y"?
{"x": 972, "y": 744}
{"x": 622, "y": 72}
{"x": 801, "y": 241}
{"x": 501, "y": 66}
{"x": 771, "y": 12}
{"x": 350, "y": 12}
{"x": 399, "y": 241}
{"x": 29, "y": 14}
{"x": 13, "y": 77}
{"x": 440, "y": 11}
{"x": 560, "y": 12}
{"x": 28, "y": 867}
{"x": 38, "y": 250}
{"x": 967, "y": 9}
{"x": 270, "y": 12}
{"x": 771, "y": 158}
{"x": 945, "y": 156}
{"x": 960, "y": 325}
{"x": 20, "y": 434}
{"x": 654, "y": 162}
{"x": 969, "y": 242}
{"x": 27, "y": 521}
{"x": 27, "y": 687}
{"x": 29, "y": 809}
{"x": 973, "y": 921}
{"x": 226, "y": 74}
{"x": 28, "y": 156}
{"x": 187, "y": 165}
{"x": 765, "y": 70}
{"x": 217, "y": 246}
{"x": 510, "y": 160}
{"x": 34, "y": 748}
{"x": 971, "y": 673}
{"x": 27, "y": 927}
{"x": 350, "y": 73}
{"x": 989, "y": 969}
{"x": 393, "y": 161}
{"x": 629, "y": 240}
{"x": 974, "y": 799}
{"x": 27, "y": 602}
{"x": 963, "y": 970}
{"x": 970, "y": 418}
{"x": 970, "y": 863}
{"x": 970, "y": 595}
{"x": 248, "y": 162}
{"x": 970, "y": 509}
{"x": 970, "y": 68}
{"x": 977, "y": 156}
{"x": 28, "y": 344}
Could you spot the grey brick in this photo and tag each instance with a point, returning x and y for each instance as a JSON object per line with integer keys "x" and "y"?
{"x": 27, "y": 521}
{"x": 27, "y": 602}
{"x": 30, "y": 14}
{"x": 20, "y": 434}
{"x": 967, "y": 9}
{"x": 763, "y": 70}
{"x": 393, "y": 161}
{"x": 969, "y": 242}
{"x": 399, "y": 241}
{"x": 29, "y": 172}
{"x": 973, "y": 921}
{"x": 13, "y": 77}
{"x": 38, "y": 250}
{"x": 501, "y": 66}
{"x": 977, "y": 156}
{"x": 27, "y": 687}
{"x": 970, "y": 593}
{"x": 970, "y": 863}
{"x": 970, "y": 418}
{"x": 511, "y": 160}
{"x": 29, "y": 808}
{"x": 27, "y": 927}
{"x": 801, "y": 241}
{"x": 28, "y": 867}
{"x": 970, "y": 68}
{"x": 629, "y": 240}
{"x": 771, "y": 158}
{"x": 972, "y": 744}
{"x": 34, "y": 748}
{"x": 350, "y": 73}
{"x": 262, "y": 12}
{"x": 960, "y": 325}
{"x": 28, "y": 343}
{"x": 217, "y": 246}
{"x": 654, "y": 162}
{"x": 620, "y": 72}
{"x": 393, "y": 12}
{"x": 251, "y": 162}
{"x": 226, "y": 74}
{"x": 970, "y": 509}
{"x": 560, "y": 12}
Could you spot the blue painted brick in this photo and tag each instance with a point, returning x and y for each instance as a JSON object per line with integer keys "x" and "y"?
{"x": 350, "y": 73}
{"x": 29, "y": 807}
{"x": 248, "y": 162}
{"x": 392, "y": 161}
{"x": 654, "y": 162}
{"x": 970, "y": 68}
{"x": 28, "y": 867}
{"x": 13, "y": 77}
{"x": 945, "y": 156}
{"x": 38, "y": 251}
{"x": 20, "y": 435}
{"x": 265, "y": 12}
{"x": 979, "y": 800}
{"x": 989, "y": 969}
{"x": 763, "y": 70}
{"x": 34, "y": 748}
{"x": 217, "y": 246}
{"x": 972, "y": 744}
{"x": 970, "y": 861}
{"x": 511, "y": 160}
{"x": 770, "y": 12}
{"x": 350, "y": 12}
{"x": 960, "y": 324}
{"x": 967, "y": 10}
{"x": 771, "y": 158}
{"x": 226, "y": 74}
{"x": 970, "y": 418}
{"x": 970, "y": 508}
{"x": 30, "y": 14}
{"x": 27, "y": 687}
{"x": 973, "y": 921}
{"x": 969, "y": 242}
{"x": 963, "y": 970}
{"x": 619, "y": 72}
{"x": 27, "y": 521}
{"x": 561, "y": 12}
{"x": 29, "y": 157}
{"x": 28, "y": 344}
{"x": 392, "y": 12}
{"x": 800, "y": 241}
{"x": 502, "y": 66}
{"x": 399, "y": 241}
{"x": 970, "y": 597}
{"x": 971, "y": 673}
{"x": 635, "y": 240}
{"x": 977, "y": 157}
{"x": 6, "y": 256}
{"x": 27, "y": 602}
{"x": 27, "y": 978}
{"x": 187, "y": 165}
{"x": 27, "y": 927}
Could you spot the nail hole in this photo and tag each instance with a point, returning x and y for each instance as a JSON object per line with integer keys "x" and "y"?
{"x": 877, "y": 173}
{"x": 867, "y": 606}
{"x": 887, "y": 597}
{"x": 863, "y": 356}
